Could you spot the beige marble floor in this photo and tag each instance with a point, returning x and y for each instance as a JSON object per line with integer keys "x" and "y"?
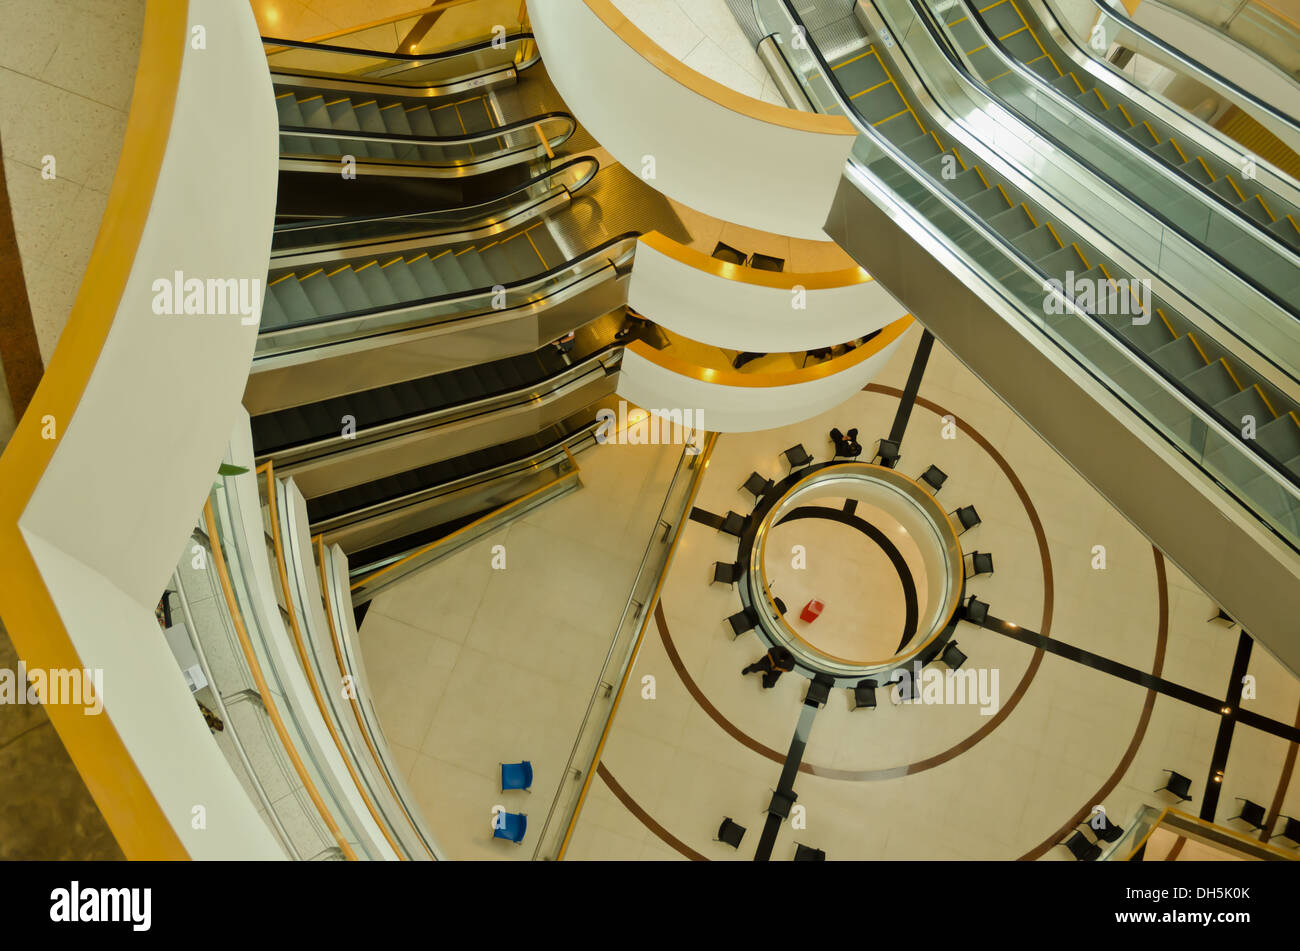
{"x": 1018, "y": 781}
{"x": 472, "y": 666}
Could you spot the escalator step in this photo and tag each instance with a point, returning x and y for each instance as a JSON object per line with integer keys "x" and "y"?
{"x": 1212, "y": 383}
{"x": 1022, "y": 46}
{"x": 1092, "y": 101}
{"x": 988, "y": 203}
{"x": 966, "y": 184}
{"x": 320, "y": 291}
{"x": 1012, "y": 222}
{"x": 474, "y": 114}
{"x": 420, "y": 121}
{"x": 1248, "y": 402}
{"x": 1001, "y": 18}
{"x": 1115, "y": 118}
{"x": 376, "y": 285}
{"x": 286, "y": 105}
{"x": 293, "y": 300}
{"x": 1281, "y": 437}
{"x": 499, "y": 264}
{"x": 342, "y": 115}
{"x": 272, "y": 314}
{"x": 1180, "y": 357}
{"x": 1061, "y": 262}
{"x": 476, "y": 273}
{"x": 1285, "y": 228}
{"x": 349, "y": 290}
{"x": 1148, "y": 337}
{"x": 1197, "y": 170}
{"x": 528, "y": 263}
{"x": 399, "y": 275}
{"x": 1067, "y": 84}
{"x": 1044, "y": 68}
{"x": 545, "y": 244}
{"x": 1143, "y": 136}
{"x": 921, "y": 148}
{"x": 860, "y": 71}
{"x": 453, "y": 273}
{"x": 426, "y": 275}
{"x": 901, "y": 129}
{"x": 394, "y": 119}
{"x": 1254, "y": 207}
{"x": 446, "y": 121}
{"x": 297, "y": 145}
{"x": 314, "y": 113}
{"x": 880, "y": 104}
{"x": 1037, "y": 243}
{"x": 368, "y": 117}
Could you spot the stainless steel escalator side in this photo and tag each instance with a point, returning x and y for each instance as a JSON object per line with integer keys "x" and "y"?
{"x": 1185, "y": 269}
{"x": 341, "y": 462}
{"x": 980, "y": 298}
{"x": 438, "y": 505}
{"x": 434, "y": 337}
{"x": 1142, "y": 41}
{"x": 1088, "y": 138}
{"x": 1251, "y": 572}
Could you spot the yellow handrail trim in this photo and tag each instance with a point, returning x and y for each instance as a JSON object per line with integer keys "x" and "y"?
{"x": 120, "y": 791}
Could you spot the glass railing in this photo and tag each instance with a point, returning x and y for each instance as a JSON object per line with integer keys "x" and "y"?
{"x": 623, "y": 647}
{"x": 1255, "y": 25}
{"x": 1196, "y": 212}
{"x": 463, "y": 68}
{"x": 529, "y": 200}
{"x": 314, "y": 791}
{"x": 560, "y": 282}
{"x": 893, "y": 180}
{"x": 339, "y": 607}
{"x": 1177, "y": 255}
{"x": 1152, "y": 835}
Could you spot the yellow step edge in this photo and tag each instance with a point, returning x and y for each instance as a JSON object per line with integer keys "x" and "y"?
{"x": 957, "y": 156}
{"x": 1014, "y": 32}
{"x": 1264, "y": 396}
{"x": 1152, "y": 131}
{"x": 282, "y": 277}
{"x": 1208, "y": 170}
{"x": 391, "y": 105}
{"x": 1267, "y": 210}
{"x": 310, "y": 98}
{"x": 1199, "y": 349}
{"x": 283, "y": 94}
{"x": 1056, "y": 237}
{"x": 319, "y": 270}
{"x": 1124, "y": 112}
{"x": 441, "y": 255}
{"x": 366, "y": 265}
{"x": 940, "y": 144}
{"x": 1231, "y": 374}
{"x": 341, "y": 267}
{"x": 1165, "y": 320}
{"x": 981, "y": 175}
{"x": 1104, "y": 271}
{"x": 1029, "y": 214}
{"x": 1082, "y": 91}
{"x": 1005, "y": 196}
{"x": 992, "y": 5}
{"x": 1181, "y": 154}
{"x": 1082, "y": 257}
{"x": 847, "y": 62}
{"x": 1235, "y": 188}
{"x": 368, "y": 102}
{"x": 901, "y": 112}
{"x": 422, "y": 254}
{"x": 390, "y": 263}
{"x": 1294, "y": 418}
{"x": 335, "y": 102}
{"x": 977, "y": 49}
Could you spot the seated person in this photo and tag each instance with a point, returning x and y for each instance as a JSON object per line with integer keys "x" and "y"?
{"x": 846, "y": 444}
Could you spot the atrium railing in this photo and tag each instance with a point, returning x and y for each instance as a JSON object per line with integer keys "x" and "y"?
{"x": 1131, "y": 846}
{"x": 623, "y": 649}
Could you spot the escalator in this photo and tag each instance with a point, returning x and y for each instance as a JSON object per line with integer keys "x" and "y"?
{"x": 376, "y": 519}
{"x": 449, "y": 127}
{"x": 1252, "y": 227}
{"x": 347, "y": 440}
{"x": 1158, "y": 397}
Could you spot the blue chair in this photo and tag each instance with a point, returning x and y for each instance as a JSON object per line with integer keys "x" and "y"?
{"x": 517, "y": 776}
{"x": 511, "y": 827}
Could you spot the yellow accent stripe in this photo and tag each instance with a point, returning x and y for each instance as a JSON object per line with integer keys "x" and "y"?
{"x": 1165, "y": 320}
{"x": 1199, "y": 349}
{"x": 901, "y": 112}
{"x": 106, "y": 767}
{"x": 1181, "y": 154}
{"x": 1082, "y": 257}
{"x": 1055, "y": 236}
{"x": 1264, "y": 396}
{"x": 1231, "y": 374}
{"x": 1014, "y": 32}
{"x": 282, "y": 277}
{"x": 1124, "y": 112}
{"x": 854, "y": 60}
{"x": 1268, "y": 211}
{"x": 1029, "y": 214}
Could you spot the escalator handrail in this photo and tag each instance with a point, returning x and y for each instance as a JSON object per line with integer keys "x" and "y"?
{"x": 552, "y": 172}
{"x": 452, "y": 412}
{"x": 1208, "y": 418}
{"x": 464, "y": 138}
{"x": 1174, "y": 53}
{"x": 1143, "y": 156}
{"x": 945, "y": 49}
{"x": 511, "y": 467}
{"x": 627, "y": 237}
{"x": 477, "y": 47}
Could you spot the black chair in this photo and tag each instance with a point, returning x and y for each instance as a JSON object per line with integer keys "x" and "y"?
{"x": 1252, "y": 813}
{"x": 1081, "y": 848}
{"x": 1290, "y": 830}
{"x": 757, "y": 486}
{"x": 804, "y": 853}
{"x": 724, "y": 573}
{"x": 741, "y": 622}
{"x": 797, "y": 457}
{"x": 978, "y": 563}
{"x": 952, "y": 656}
{"x": 887, "y": 452}
{"x": 733, "y": 524}
{"x": 781, "y": 803}
{"x": 1107, "y": 831}
{"x": 725, "y": 252}
{"x": 976, "y": 611}
{"x": 765, "y": 262}
{"x": 864, "y": 695}
{"x": 1179, "y": 785}
{"x": 819, "y": 691}
{"x": 730, "y": 832}
{"x": 934, "y": 477}
{"x": 966, "y": 517}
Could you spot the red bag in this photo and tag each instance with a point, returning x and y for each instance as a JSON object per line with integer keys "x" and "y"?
{"x": 811, "y": 611}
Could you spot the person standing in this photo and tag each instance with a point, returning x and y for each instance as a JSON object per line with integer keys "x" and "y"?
{"x": 773, "y": 664}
